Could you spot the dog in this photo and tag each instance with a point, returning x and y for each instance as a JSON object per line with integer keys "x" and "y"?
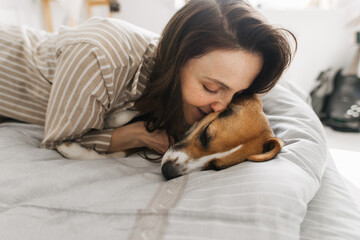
{"x": 220, "y": 140}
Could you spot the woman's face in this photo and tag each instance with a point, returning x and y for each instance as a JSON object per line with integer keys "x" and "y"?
{"x": 209, "y": 82}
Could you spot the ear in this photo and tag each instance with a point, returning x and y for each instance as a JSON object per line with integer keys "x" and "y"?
{"x": 270, "y": 148}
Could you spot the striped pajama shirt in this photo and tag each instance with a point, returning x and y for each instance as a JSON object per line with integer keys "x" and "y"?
{"x": 71, "y": 80}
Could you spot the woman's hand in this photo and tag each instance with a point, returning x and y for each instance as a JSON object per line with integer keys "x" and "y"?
{"x": 157, "y": 141}
{"x": 135, "y": 135}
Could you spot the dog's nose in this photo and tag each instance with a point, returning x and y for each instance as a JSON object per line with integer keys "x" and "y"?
{"x": 170, "y": 171}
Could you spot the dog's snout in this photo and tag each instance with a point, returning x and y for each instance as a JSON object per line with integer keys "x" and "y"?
{"x": 170, "y": 170}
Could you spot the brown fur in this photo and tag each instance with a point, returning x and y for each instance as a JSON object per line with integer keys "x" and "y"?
{"x": 247, "y": 125}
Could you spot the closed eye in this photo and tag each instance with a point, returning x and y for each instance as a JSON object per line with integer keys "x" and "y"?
{"x": 204, "y": 137}
{"x": 209, "y": 90}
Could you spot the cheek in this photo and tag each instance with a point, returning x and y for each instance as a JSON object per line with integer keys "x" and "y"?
{"x": 196, "y": 97}
{"x": 193, "y": 93}
{"x": 186, "y": 92}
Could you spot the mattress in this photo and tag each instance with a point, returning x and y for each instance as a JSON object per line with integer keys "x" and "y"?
{"x": 297, "y": 195}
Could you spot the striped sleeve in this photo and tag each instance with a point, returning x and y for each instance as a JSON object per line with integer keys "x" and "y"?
{"x": 79, "y": 99}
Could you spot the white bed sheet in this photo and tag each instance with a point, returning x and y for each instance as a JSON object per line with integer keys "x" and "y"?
{"x": 298, "y": 195}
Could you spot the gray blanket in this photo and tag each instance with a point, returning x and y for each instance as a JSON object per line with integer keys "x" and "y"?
{"x": 298, "y": 195}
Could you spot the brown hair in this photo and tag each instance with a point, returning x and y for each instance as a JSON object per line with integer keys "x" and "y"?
{"x": 196, "y": 29}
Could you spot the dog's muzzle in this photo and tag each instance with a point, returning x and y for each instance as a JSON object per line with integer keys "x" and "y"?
{"x": 170, "y": 170}
{"x": 173, "y": 163}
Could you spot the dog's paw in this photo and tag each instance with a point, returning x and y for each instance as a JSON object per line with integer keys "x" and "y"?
{"x": 75, "y": 151}
{"x": 118, "y": 119}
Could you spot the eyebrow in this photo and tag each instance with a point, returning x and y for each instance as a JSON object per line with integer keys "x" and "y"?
{"x": 218, "y": 82}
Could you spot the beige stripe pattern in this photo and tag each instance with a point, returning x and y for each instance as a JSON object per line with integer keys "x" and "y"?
{"x": 151, "y": 222}
{"x": 71, "y": 80}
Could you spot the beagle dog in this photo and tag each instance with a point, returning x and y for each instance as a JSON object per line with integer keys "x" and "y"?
{"x": 220, "y": 140}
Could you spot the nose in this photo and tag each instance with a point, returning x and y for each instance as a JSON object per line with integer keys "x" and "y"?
{"x": 220, "y": 104}
{"x": 217, "y": 107}
{"x": 170, "y": 171}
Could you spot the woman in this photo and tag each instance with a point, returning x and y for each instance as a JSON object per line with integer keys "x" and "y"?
{"x": 209, "y": 52}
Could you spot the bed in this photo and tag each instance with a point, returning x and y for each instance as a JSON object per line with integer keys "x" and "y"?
{"x": 297, "y": 195}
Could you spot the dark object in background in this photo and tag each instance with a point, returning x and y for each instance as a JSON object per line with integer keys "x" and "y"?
{"x": 323, "y": 87}
{"x": 342, "y": 107}
{"x": 114, "y": 6}
{"x": 336, "y": 97}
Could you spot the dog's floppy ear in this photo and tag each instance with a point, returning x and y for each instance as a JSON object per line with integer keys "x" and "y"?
{"x": 270, "y": 148}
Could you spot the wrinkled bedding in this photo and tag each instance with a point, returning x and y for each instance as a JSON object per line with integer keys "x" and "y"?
{"x": 297, "y": 195}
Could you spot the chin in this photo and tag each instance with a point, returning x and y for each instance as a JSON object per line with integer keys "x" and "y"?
{"x": 191, "y": 117}
{"x": 190, "y": 121}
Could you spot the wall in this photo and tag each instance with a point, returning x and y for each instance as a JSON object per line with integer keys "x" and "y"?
{"x": 21, "y": 12}
{"x": 323, "y": 41}
{"x": 152, "y": 15}
{"x": 323, "y": 38}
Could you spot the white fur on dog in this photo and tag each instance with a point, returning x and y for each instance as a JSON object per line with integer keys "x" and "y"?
{"x": 118, "y": 119}
{"x": 190, "y": 165}
{"x": 74, "y": 150}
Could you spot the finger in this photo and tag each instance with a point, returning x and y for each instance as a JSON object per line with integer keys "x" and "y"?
{"x": 159, "y": 151}
{"x": 162, "y": 148}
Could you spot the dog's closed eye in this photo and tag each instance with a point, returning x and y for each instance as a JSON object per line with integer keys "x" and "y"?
{"x": 227, "y": 112}
{"x": 204, "y": 137}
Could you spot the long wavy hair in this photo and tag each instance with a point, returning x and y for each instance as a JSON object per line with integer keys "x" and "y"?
{"x": 197, "y": 28}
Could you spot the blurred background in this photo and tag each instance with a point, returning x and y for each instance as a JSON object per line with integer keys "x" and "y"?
{"x": 325, "y": 31}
